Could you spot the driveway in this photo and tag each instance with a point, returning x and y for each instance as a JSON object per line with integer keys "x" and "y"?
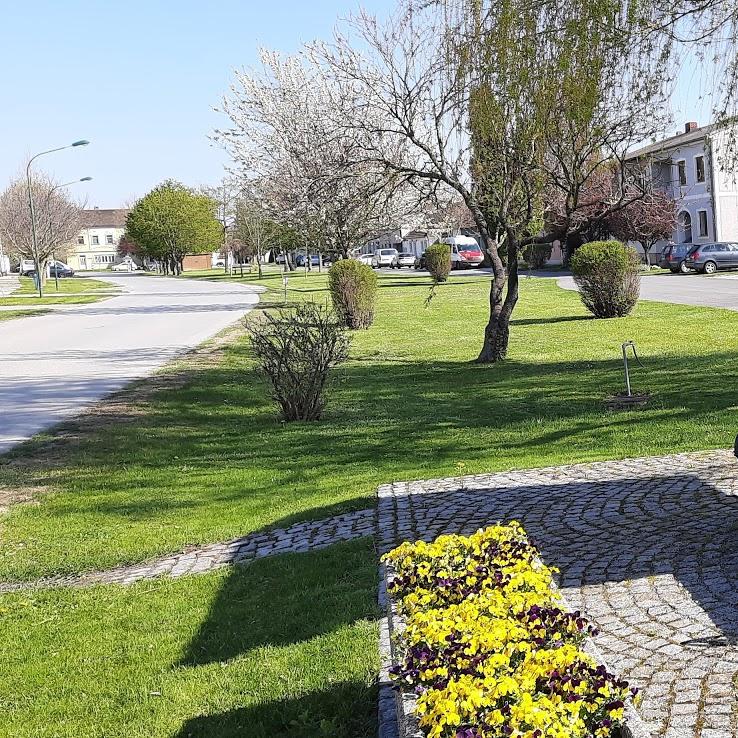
{"x": 720, "y": 290}
{"x": 53, "y": 366}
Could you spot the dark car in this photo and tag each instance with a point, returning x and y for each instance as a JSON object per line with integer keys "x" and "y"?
{"x": 60, "y": 270}
{"x": 301, "y": 260}
{"x": 673, "y": 256}
{"x": 709, "y": 257}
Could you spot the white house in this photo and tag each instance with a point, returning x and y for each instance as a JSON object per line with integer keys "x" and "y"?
{"x": 96, "y": 245}
{"x": 689, "y": 167}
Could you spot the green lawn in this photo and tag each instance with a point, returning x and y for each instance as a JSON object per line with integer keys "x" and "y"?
{"x": 209, "y": 461}
{"x": 10, "y": 314}
{"x": 68, "y": 292}
{"x": 287, "y": 646}
{"x": 196, "y": 657}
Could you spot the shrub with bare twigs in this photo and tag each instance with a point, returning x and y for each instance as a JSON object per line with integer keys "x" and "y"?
{"x": 296, "y": 348}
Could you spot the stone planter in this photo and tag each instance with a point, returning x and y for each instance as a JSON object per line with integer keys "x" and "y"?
{"x": 397, "y": 709}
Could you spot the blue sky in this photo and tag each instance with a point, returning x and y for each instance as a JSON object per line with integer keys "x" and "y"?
{"x": 140, "y": 80}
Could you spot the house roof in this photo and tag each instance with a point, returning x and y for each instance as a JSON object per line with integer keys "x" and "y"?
{"x": 672, "y": 142}
{"x": 415, "y": 234}
{"x": 97, "y": 218}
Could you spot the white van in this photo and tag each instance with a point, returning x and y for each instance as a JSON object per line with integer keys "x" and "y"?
{"x": 465, "y": 252}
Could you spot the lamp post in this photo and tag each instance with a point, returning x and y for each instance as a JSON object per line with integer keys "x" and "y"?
{"x": 34, "y": 244}
{"x": 51, "y": 223}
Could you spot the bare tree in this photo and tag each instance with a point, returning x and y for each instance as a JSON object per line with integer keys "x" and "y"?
{"x": 225, "y": 194}
{"x": 58, "y": 220}
{"x": 254, "y": 231}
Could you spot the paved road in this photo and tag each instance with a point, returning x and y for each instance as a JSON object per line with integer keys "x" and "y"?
{"x": 52, "y": 366}
{"x": 720, "y": 290}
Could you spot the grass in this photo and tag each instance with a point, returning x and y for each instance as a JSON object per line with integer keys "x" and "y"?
{"x": 287, "y": 645}
{"x": 11, "y": 314}
{"x": 208, "y": 460}
{"x": 71, "y": 291}
{"x": 66, "y": 285}
{"x": 196, "y": 657}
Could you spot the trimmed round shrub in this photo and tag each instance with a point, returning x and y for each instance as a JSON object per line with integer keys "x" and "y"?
{"x": 608, "y": 276}
{"x": 438, "y": 261}
{"x": 353, "y": 287}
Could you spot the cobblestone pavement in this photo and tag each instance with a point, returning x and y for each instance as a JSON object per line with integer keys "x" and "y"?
{"x": 648, "y": 548}
{"x": 307, "y": 536}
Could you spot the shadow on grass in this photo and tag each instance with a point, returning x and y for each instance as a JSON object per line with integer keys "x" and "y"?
{"x": 286, "y": 599}
{"x": 296, "y": 599}
{"x": 549, "y": 321}
{"x": 220, "y": 418}
{"x": 345, "y": 710}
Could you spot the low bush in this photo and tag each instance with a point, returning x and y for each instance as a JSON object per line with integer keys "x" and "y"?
{"x": 438, "y": 261}
{"x": 353, "y": 288}
{"x": 296, "y": 348}
{"x": 487, "y": 647}
{"x": 608, "y": 276}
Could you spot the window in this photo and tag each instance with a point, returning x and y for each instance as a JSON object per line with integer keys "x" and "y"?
{"x": 95, "y": 240}
{"x": 104, "y": 258}
{"x": 682, "y": 169}
{"x": 109, "y": 239}
{"x": 81, "y": 240}
{"x": 699, "y": 168}
{"x": 703, "y": 223}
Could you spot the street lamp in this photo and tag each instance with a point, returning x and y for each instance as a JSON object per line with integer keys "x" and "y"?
{"x": 51, "y": 222}
{"x": 34, "y": 244}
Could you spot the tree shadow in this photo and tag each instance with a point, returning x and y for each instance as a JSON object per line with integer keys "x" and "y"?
{"x": 619, "y": 530}
{"x": 345, "y": 710}
{"x": 285, "y": 599}
{"x": 549, "y": 321}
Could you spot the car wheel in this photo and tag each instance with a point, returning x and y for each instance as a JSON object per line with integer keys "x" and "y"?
{"x": 683, "y": 268}
{"x": 710, "y": 267}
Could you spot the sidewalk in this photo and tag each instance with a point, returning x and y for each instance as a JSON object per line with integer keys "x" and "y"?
{"x": 8, "y": 285}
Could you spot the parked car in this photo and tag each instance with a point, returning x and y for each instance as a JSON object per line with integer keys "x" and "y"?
{"x": 384, "y": 258}
{"x": 301, "y": 259}
{"x": 26, "y": 268}
{"x": 366, "y": 259}
{"x": 709, "y": 257}
{"x": 58, "y": 269}
{"x": 673, "y": 256}
{"x": 404, "y": 259}
{"x": 124, "y": 266}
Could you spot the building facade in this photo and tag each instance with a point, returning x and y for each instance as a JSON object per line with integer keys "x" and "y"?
{"x": 690, "y": 168}
{"x": 96, "y": 245}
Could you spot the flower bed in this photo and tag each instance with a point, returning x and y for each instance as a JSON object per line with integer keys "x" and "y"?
{"x": 488, "y": 648}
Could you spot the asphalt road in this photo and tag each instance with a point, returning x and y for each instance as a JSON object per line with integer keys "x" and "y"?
{"x": 719, "y": 290}
{"x": 52, "y": 366}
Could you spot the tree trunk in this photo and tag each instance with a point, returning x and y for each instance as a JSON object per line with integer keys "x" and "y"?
{"x": 501, "y": 305}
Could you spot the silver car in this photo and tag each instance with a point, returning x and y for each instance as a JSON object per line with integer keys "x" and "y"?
{"x": 384, "y": 258}
{"x": 404, "y": 259}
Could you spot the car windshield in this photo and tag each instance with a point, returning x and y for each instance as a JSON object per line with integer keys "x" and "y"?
{"x": 405, "y": 254}
{"x": 468, "y": 247}
{"x": 387, "y": 252}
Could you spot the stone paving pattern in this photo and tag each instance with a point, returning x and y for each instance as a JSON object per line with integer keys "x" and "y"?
{"x": 306, "y": 536}
{"x": 647, "y": 548}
